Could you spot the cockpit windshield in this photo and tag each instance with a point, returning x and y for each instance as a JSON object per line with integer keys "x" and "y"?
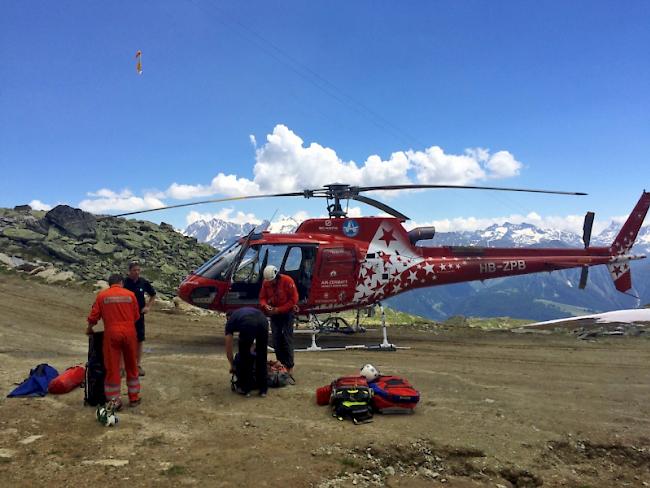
{"x": 217, "y": 268}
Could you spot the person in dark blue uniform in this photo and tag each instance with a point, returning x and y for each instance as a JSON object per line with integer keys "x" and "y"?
{"x": 140, "y": 286}
{"x": 253, "y": 328}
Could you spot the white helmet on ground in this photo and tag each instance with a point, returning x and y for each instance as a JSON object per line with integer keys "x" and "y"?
{"x": 369, "y": 372}
{"x": 270, "y": 272}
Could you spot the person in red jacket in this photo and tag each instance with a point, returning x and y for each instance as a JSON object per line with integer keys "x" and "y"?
{"x": 118, "y": 308}
{"x": 278, "y": 298}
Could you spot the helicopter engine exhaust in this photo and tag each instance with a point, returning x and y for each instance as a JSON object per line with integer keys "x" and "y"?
{"x": 421, "y": 233}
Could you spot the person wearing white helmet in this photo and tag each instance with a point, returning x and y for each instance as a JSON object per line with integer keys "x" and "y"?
{"x": 278, "y": 298}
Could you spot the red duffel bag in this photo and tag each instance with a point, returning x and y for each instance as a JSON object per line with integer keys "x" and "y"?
{"x": 67, "y": 381}
{"x": 394, "y": 395}
{"x": 323, "y": 395}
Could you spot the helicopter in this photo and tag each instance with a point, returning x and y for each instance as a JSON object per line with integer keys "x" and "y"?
{"x": 342, "y": 263}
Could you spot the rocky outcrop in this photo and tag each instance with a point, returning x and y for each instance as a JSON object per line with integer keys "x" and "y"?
{"x": 67, "y": 244}
{"x": 73, "y": 221}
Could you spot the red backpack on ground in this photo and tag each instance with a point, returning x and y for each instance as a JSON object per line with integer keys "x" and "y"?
{"x": 394, "y": 395}
{"x": 67, "y": 381}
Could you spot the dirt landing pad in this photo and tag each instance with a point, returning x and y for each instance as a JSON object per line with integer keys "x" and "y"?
{"x": 497, "y": 410}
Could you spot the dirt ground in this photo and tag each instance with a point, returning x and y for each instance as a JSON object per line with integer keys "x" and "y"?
{"x": 498, "y": 409}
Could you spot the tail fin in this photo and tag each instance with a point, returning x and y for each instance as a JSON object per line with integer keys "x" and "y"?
{"x": 620, "y": 267}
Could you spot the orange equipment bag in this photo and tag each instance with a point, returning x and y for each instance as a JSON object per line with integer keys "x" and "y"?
{"x": 67, "y": 381}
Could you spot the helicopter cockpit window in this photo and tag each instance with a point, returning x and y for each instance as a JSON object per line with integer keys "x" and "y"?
{"x": 248, "y": 270}
{"x": 255, "y": 259}
{"x": 294, "y": 258}
{"x": 217, "y": 267}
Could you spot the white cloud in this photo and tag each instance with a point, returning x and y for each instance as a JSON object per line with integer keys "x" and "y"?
{"x": 285, "y": 163}
{"x": 228, "y": 185}
{"x": 224, "y": 214}
{"x": 105, "y": 200}
{"x": 502, "y": 164}
{"x": 38, "y": 205}
{"x": 433, "y": 166}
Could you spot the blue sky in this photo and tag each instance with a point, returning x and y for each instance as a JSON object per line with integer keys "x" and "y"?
{"x": 276, "y": 96}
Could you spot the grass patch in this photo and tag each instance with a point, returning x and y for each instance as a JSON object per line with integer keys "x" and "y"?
{"x": 350, "y": 462}
{"x": 496, "y": 323}
{"x": 175, "y": 470}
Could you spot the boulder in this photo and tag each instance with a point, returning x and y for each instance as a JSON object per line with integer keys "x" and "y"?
{"x": 168, "y": 269}
{"x": 11, "y": 261}
{"x": 62, "y": 252}
{"x": 53, "y": 275}
{"x": 104, "y": 248}
{"x": 23, "y": 208}
{"x": 22, "y": 235}
{"x": 37, "y": 225}
{"x": 130, "y": 240}
{"x": 73, "y": 221}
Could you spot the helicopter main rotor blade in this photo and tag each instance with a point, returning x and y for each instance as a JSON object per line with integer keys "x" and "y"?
{"x": 381, "y": 206}
{"x": 214, "y": 200}
{"x": 462, "y": 187}
{"x": 344, "y": 192}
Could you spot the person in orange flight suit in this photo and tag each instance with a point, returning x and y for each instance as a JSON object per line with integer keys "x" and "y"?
{"x": 119, "y": 310}
{"x": 279, "y": 298}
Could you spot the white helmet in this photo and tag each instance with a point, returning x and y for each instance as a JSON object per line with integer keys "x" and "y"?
{"x": 369, "y": 372}
{"x": 270, "y": 272}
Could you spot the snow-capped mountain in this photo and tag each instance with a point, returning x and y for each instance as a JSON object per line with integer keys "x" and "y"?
{"x": 218, "y": 233}
{"x": 506, "y": 235}
{"x": 284, "y": 225}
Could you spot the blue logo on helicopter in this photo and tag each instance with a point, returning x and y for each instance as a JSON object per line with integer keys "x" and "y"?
{"x": 351, "y": 228}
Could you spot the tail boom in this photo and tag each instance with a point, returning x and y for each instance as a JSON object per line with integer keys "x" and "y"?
{"x": 619, "y": 267}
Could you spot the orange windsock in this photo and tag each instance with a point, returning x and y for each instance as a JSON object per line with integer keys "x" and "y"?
{"x": 138, "y": 66}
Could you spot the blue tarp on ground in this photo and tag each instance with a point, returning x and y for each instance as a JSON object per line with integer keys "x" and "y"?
{"x": 36, "y": 383}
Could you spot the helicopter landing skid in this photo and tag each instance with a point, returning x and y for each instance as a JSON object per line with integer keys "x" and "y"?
{"x": 383, "y": 346}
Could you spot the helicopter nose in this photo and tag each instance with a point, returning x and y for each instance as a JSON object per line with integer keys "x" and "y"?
{"x": 185, "y": 290}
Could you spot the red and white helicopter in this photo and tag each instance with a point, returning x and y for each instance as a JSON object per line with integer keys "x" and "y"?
{"x": 342, "y": 263}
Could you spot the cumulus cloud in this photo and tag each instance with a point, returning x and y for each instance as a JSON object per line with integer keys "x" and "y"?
{"x": 434, "y": 166}
{"x": 285, "y": 163}
{"x": 38, "y": 205}
{"x": 502, "y": 164}
{"x": 228, "y": 185}
{"x": 105, "y": 200}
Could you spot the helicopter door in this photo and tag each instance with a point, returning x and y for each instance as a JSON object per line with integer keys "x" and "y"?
{"x": 336, "y": 276}
{"x": 299, "y": 264}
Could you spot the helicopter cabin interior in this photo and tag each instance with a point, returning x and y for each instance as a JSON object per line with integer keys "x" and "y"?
{"x": 294, "y": 260}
